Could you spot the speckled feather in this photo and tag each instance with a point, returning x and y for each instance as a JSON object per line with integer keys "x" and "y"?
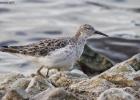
{"x": 55, "y": 53}
{"x": 41, "y": 48}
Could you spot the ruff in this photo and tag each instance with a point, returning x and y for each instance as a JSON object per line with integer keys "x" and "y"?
{"x": 59, "y": 53}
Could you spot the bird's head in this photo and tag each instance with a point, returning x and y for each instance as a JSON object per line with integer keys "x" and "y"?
{"x": 87, "y": 30}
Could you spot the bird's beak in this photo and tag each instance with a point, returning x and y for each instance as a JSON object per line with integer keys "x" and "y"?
{"x": 100, "y": 33}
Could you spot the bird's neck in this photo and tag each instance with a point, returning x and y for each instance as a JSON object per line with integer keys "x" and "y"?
{"x": 80, "y": 36}
{"x": 81, "y": 41}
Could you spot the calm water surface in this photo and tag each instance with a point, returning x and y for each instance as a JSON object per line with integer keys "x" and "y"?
{"x": 31, "y": 20}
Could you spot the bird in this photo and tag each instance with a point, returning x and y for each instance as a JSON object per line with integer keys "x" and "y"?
{"x": 58, "y": 53}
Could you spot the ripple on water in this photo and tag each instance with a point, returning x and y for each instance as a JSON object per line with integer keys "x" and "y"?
{"x": 21, "y": 33}
{"x": 36, "y": 39}
{"x": 35, "y": 1}
{"x": 53, "y": 32}
{"x": 116, "y": 49}
{"x": 8, "y": 42}
{"x": 4, "y": 10}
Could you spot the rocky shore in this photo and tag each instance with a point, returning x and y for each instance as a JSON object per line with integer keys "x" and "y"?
{"x": 119, "y": 82}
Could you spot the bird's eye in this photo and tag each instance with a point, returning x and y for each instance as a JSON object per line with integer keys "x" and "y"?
{"x": 88, "y": 28}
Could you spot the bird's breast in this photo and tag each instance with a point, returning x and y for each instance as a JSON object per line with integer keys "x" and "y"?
{"x": 63, "y": 57}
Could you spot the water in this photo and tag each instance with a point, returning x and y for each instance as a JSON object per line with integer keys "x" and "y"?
{"x": 24, "y": 21}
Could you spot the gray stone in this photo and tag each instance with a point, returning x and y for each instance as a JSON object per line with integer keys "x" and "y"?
{"x": 115, "y": 94}
{"x": 17, "y": 94}
{"x": 55, "y": 94}
{"x": 94, "y": 61}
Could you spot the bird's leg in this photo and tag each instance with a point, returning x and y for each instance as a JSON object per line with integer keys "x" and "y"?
{"x": 46, "y": 80}
{"x": 38, "y": 71}
{"x": 47, "y": 74}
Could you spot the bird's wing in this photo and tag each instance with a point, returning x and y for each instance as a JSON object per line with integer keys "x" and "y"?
{"x": 41, "y": 48}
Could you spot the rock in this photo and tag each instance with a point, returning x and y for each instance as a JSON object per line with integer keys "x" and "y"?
{"x": 21, "y": 83}
{"x": 55, "y": 94}
{"x": 6, "y": 79}
{"x": 91, "y": 88}
{"x": 64, "y": 79}
{"x": 17, "y": 94}
{"x": 121, "y": 68}
{"x": 78, "y": 73}
{"x": 2, "y": 92}
{"x": 136, "y": 76}
{"x": 119, "y": 82}
{"x": 115, "y": 49}
{"x": 133, "y": 92}
{"x": 94, "y": 61}
{"x": 36, "y": 85}
{"x": 134, "y": 62}
{"x": 115, "y": 94}
{"x": 120, "y": 74}
{"x": 52, "y": 72}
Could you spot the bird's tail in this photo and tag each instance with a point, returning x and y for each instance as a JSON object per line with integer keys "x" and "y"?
{"x": 8, "y": 49}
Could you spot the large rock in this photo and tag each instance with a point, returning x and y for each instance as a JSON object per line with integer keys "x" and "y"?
{"x": 94, "y": 61}
{"x": 37, "y": 85}
{"x": 21, "y": 83}
{"x": 91, "y": 87}
{"x": 134, "y": 62}
{"x": 17, "y": 94}
{"x": 121, "y": 75}
{"x": 135, "y": 93}
{"x": 64, "y": 79}
{"x": 6, "y": 79}
{"x": 75, "y": 85}
{"x": 55, "y": 94}
{"x": 115, "y": 94}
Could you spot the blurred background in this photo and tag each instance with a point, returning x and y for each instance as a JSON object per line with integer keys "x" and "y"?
{"x": 27, "y": 21}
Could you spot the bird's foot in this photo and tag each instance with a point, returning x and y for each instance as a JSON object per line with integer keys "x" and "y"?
{"x": 49, "y": 83}
{"x": 39, "y": 72}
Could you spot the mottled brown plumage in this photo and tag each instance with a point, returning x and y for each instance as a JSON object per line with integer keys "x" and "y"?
{"x": 44, "y": 47}
{"x": 41, "y": 48}
{"x": 55, "y": 53}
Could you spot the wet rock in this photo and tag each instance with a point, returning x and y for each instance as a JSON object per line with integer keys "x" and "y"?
{"x": 17, "y": 94}
{"x": 55, "y": 94}
{"x": 64, "y": 79}
{"x": 36, "y": 85}
{"x": 6, "y": 79}
{"x": 115, "y": 94}
{"x": 115, "y": 49}
{"x": 94, "y": 61}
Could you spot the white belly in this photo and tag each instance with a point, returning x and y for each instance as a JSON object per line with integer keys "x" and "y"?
{"x": 61, "y": 58}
